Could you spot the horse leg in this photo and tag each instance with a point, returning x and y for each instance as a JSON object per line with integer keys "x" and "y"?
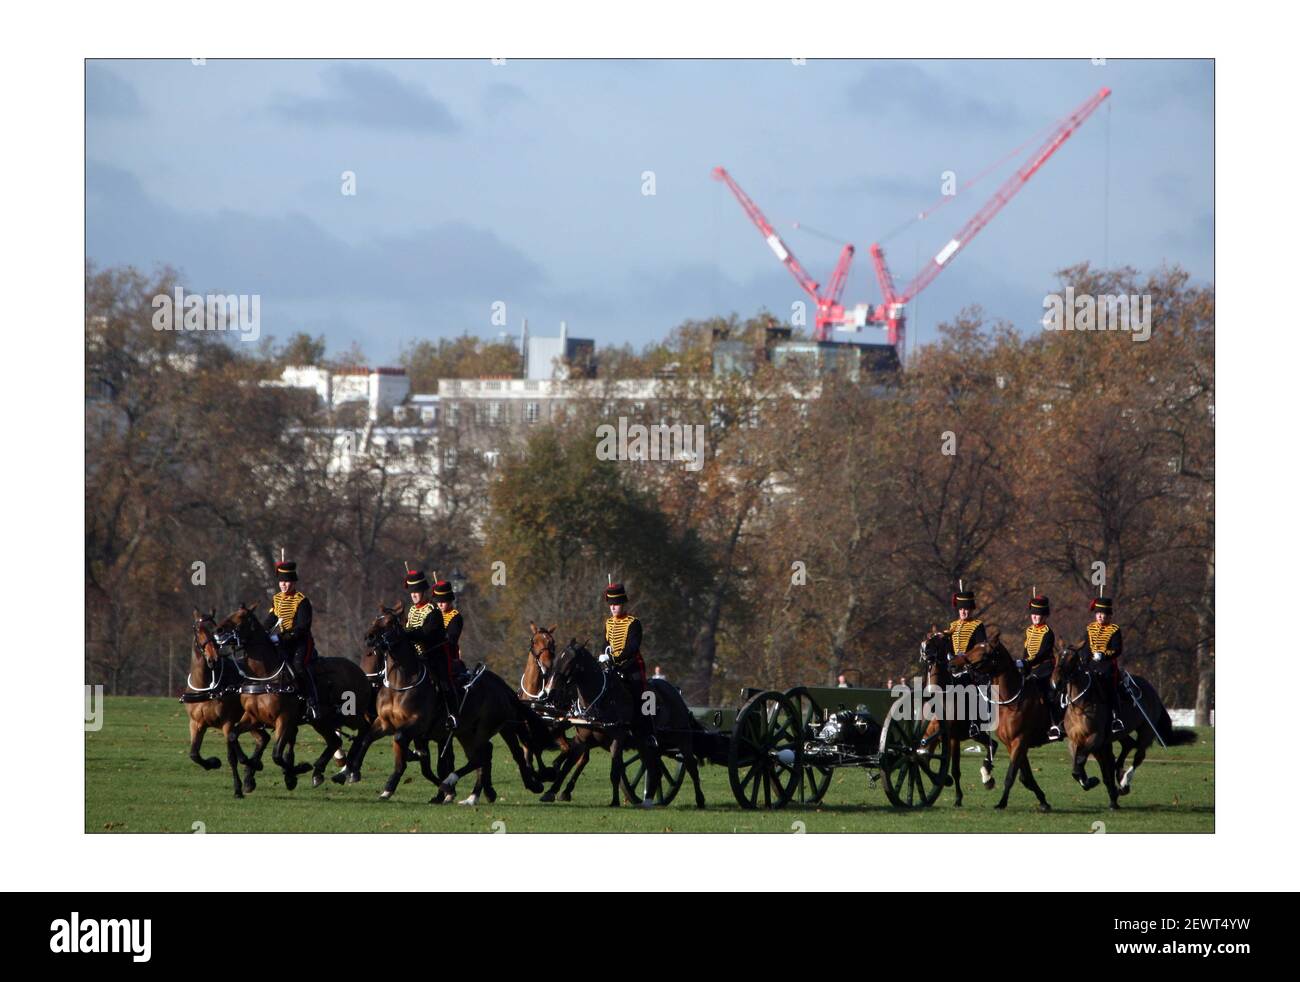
{"x": 616, "y": 770}
{"x": 1106, "y": 761}
{"x": 254, "y": 763}
{"x": 986, "y": 768}
{"x": 563, "y": 761}
{"x": 400, "y": 740}
{"x": 351, "y": 774}
{"x": 197, "y": 729}
{"x": 232, "y": 755}
{"x": 474, "y": 754}
{"x": 583, "y": 757}
{"x": 1027, "y": 778}
{"x": 1079, "y": 766}
{"x": 482, "y": 775}
{"x": 1017, "y": 759}
{"x": 1125, "y": 777}
{"x": 287, "y": 733}
{"x": 333, "y": 745}
{"x": 531, "y": 781}
{"x": 693, "y": 769}
{"x": 954, "y": 755}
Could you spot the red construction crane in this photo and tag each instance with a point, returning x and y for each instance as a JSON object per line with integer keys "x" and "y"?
{"x": 830, "y": 312}
{"x": 890, "y": 314}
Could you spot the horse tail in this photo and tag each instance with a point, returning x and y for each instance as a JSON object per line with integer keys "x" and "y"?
{"x": 1165, "y": 726}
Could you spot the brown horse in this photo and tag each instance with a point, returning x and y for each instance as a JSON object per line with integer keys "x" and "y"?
{"x": 535, "y": 690}
{"x": 939, "y": 674}
{"x": 1021, "y": 704}
{"x": 413, "y": 710}
{"x": 1088, "y": 698}
{"x": 269, "y": 699}
{"x": 601, "y": 696}
{"x": 212, "y": 699}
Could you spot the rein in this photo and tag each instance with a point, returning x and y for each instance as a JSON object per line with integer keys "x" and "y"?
{"x": 233, "y": 640}
{"x": 382, "y": 643}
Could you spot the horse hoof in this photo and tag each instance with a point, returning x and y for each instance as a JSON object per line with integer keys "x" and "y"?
{"x": 249, "y": 785}
{"x": 548, "y": 798}
{"x": 490, "y": 794}
{"x": 385, "y": 794}
{"x": 437, "y": 799}
{"x": 317, "y": 779}
{"x": 472, "y": 801}
{"x": 239, "y": 793}
{"x": 1044, "y": 807}
{"x": 290, "y": 780}
{"x": 353, "y": 778}
{"x": 210, "y": 763}
{"x": 1000, "y": 805}
{"x": 340, "y": 777}
{"x": 957, "y": 803}
{"x": 947, "y": 781}
{"x": 1114, "y": 806}
{"x": 565, "y": 796}
{"x": 990, "y": 784}
{"x": 1091, "y": 783}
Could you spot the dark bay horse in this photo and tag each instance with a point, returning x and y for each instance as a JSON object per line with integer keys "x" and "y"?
{"x": 1021, "y": 704}
{"x": 489, "y": 707}
{"x": 1087, "y": 697}
{"x": 212, "y": 700}
{"x": 536, "y": 685}
{"x": 938, "y": 673}
{"x": 268, "y": 698}
{"x": 599, "y": 695}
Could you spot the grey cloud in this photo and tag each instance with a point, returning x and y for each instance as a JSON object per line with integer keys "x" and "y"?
{"x": 109, "y": 96}
{"x": 363, "y": 96}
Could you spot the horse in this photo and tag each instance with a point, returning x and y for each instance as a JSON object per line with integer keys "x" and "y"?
{"x": 1021, "y": 704}
{"x": 939, "y": 674}
{"x": 576, "y": 669}
{"x": 268, "y": 699}
{"x": 212, "y": 700}
{"x": 535, "y": 690}
{"x": 1088, "y": 703}
{"x": 412, "y": 709}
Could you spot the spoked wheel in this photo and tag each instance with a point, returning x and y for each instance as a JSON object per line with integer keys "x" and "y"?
{"x": 636, "y": 778}
{"x": 913, "y": 778}
{"x": 765, "y": 759}
{"x": 813, "y": 779}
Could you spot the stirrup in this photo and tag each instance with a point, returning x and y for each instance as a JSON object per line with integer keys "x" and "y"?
{"x": 1117, "y": 725}
{"x": 1053, "y": 733}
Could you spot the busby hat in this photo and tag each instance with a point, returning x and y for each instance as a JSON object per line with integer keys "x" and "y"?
{"x": 615, "y": 594}
{"x": 286, "y": 571}
{"x": 1040, "y": 605}
{"x": 964, "y": 598}
{"x": 1101, "y": 603}
{"x": 442, "y": 591}
{"x": 416, "y": 580}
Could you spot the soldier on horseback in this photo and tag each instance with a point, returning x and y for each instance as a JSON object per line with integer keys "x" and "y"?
{"x": 1107, "y": 645}
{"x": 965, "y": 632}
{"x": 289, "y": 625}
{"x": 622, "y": 634}
{"x": 1040, "y": 657}
{"x": 426, "y": 629}
{"x": 453, "y": 622}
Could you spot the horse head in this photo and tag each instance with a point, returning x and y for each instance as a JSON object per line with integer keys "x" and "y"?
{"x": 385, "y": 633}
{"x": 239, "y": 628}
{"x": 205, "y": 645}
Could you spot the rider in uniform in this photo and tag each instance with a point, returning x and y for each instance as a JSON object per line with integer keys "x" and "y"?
{"x": 289, "y": 625}
{"x": 965, "y": 632}
{"x": 1040, "y": 658}
{"x": 1107, "y": 645}
{"x": 453, "y": 622}
{"x": 622, "y": 634}
{"x": 424, "y": 626}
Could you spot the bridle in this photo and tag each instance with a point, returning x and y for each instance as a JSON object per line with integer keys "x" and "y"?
{"x": 1071, "y": 677}
{"x": 237, "y": 640}
{"x": 216, "y": 664}
{"x": 386, "y": 642}
{"x": 979, "y": 668}
{"x": 547, "y": 685}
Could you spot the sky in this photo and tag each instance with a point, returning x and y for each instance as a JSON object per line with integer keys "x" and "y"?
{"x": 517, "y": 190}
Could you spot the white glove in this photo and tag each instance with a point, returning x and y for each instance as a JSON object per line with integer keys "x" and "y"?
{"x": 275, "y": 639}
{"x": 604, "y": 657}
{"x": 1020, "y": 663}
{"x": 1096, "y": 656}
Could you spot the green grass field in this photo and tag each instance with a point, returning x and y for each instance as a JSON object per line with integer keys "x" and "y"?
{"x": 139, "y": 778}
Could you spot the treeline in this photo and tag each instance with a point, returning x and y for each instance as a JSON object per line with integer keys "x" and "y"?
{"x": 821, "y": 536}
